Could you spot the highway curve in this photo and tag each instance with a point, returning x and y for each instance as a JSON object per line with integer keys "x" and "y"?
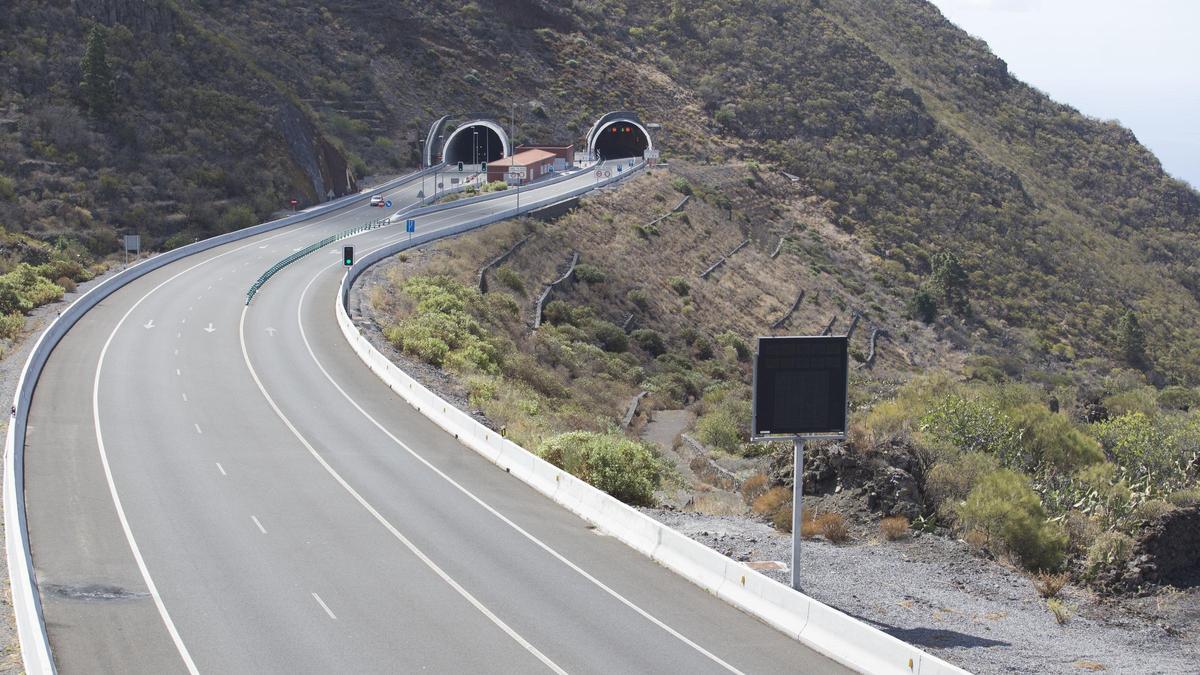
{"x": 221, "y": 488}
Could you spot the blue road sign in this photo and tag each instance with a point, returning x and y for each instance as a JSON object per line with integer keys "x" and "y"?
{"x": 410, "y": 225}
{"x": 388, "y": 203}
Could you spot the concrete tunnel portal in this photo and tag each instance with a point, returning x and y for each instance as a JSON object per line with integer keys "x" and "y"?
{"x": 618, "y": 135}
{"x": 475, "y": 142}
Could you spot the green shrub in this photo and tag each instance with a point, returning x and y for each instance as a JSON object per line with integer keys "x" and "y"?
{"x": 610, "y": 337}
{"x": 1051, "y": 440}
{"x": 23, "y": 288}
{"x": 949, "y": 483}
{"x": 11, "y": 324}
{"x": 1007, "y": 510}
{"x": 682, "y": 186}
{"x": 680, "y": 285}
{"x": 649, "y": 341}
{"x": 442, "y": 330}
{"x": 1185, "y": 498}
{"x": 740, "y": 349}
{"x": 590, "y": 274}
{"x": 624, "y": 468}
{"x": 1111, "y": 549}
{"x": 509, "y": 277}
{"x": 1175, "y": 397}
{"x": 725, "y": 423}
{"x": 8, "y": 189}
{"x": 973, "y": 425}
{"x": 923, "y": 306}
{"x": 639, "y": 298}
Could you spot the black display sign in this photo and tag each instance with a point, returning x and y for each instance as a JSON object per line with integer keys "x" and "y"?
{"x": 800, "y": 386}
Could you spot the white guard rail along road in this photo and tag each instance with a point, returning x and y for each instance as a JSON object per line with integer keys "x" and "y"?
{"x": 235, "y": 492}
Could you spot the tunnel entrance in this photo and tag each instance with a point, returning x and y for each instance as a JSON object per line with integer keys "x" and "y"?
{"x": 476, "y": 142}
{"x": 620, "y": 139}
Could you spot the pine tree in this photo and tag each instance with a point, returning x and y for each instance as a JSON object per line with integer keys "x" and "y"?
{"x": 99, "y": 91}
{"x": 950, "y": 279}
{"x": 1131, "y": 339}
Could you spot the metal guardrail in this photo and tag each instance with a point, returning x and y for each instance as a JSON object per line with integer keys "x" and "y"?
{"x": 312, "y": 248}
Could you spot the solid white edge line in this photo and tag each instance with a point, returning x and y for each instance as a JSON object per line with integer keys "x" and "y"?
{"x": 538, "y": 542}
{"x": 34, "y": 643}
{"x": 184, "y": 654}
{"x": 384, "y": 521}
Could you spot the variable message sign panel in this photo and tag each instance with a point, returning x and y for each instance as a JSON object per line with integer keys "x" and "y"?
{"x": 800, "y": 387}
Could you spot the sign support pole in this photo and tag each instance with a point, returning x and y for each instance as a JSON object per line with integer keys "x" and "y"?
{"x": 797, "y": 508}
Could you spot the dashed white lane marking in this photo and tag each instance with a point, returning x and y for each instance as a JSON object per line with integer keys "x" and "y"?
{"x": 258, "y": 524}
{"x": 176, "y": 352}
{"x": 184, "y": 397}
{"x": 324, "y": 606}
{"x": 178, "y": 335}
{"x": 198, "y": 428}
{"x": 177, "y": 372}
{"x": 520, "y": 530}
{"x": 441, "y": 573}
{"x": 184, "y": 654}
{"x": 221, "y": 469}
{"x": 183, "y": 320}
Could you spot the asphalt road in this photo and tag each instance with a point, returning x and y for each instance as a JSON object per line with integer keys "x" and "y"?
{"x": 218, "y": 488}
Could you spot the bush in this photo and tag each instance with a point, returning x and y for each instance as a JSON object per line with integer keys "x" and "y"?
{"x": 754, "y": 487}
{"x": 1152, "y": 509}
{"x": 1049, "y": 584}
{"x": 1059, "y": 609}
{"x": 1185, "y": 498}
{"x": 649, "y": 341}
{"x": 8, "y": 189}
{"x": 1111, "y": 549}
{"x": 590, "y": 274}
{"x": 894, "y": 528}
{"x": 740, "y": 348}
{"x": 1051, "y": 440}
{"x": 770, "y": 502}
{"x": 1007, "y": 510}
{"x": 639, "y": 298}
{"x": 509, "y": 277}
{"x": 682, "y": 186}
{"x": 23, "y": 288}
{"x": 948, "y": 483}
{"x": 624, "y": 468}
{"x": 923, "y": 306}
{"x": 11, "y": 324}
{"x": 725, "y": 423}
{"x": 782, "y": 519}
{"x": 679, "y": 285}
{"x": 442, "y": 329}
{"x": 833, "y": 527}
{"x": 610, "y": 337}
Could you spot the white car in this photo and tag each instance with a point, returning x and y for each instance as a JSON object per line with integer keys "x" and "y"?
{"x": 377, "y": 200}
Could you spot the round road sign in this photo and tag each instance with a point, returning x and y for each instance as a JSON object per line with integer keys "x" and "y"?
{"x": 599, "y": 173}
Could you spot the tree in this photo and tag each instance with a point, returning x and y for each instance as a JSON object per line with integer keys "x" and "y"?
{"x": 1131, "y": 339}
{"x": 950, "y": 280}
{"x": 99, "y": 91}
{"x": 923, "y": 306}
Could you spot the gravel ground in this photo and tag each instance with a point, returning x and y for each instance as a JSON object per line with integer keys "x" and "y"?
{"x": 978, "y": 614}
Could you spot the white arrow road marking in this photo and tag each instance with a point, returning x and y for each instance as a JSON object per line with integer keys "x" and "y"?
{"x": 271, "y": 332}
{"x": 209, "y": 328}
{"x": 149, "y": 324}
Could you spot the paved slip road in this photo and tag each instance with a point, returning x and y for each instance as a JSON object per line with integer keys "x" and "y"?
{"x": 218, "y": 488}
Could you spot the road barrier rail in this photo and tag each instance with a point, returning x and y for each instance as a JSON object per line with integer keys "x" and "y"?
{"x": 824, "y": 629}
{"x": 36, "y": 655}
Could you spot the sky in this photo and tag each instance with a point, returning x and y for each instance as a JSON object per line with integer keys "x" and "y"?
{"x": 1135, "y": 61}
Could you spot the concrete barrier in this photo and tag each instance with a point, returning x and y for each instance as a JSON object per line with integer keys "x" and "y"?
{"x": 820, "y": 627}
{"x": 27, "y": 603}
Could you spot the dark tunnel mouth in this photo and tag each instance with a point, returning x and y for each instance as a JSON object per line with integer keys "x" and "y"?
{"x": 621, "y": 139}
{"x": 490, "y": 145}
